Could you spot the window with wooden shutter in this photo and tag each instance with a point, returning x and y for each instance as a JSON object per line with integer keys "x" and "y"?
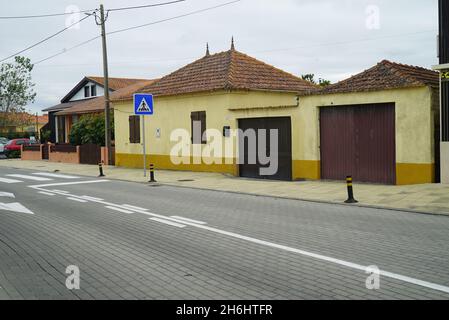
{"x": 134, "y": 129}
{"x": 199, "y": 117}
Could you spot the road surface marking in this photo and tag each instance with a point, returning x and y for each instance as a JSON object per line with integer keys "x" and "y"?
{"x": 5, "y": 180}
{"x": 119, "y": 210}
{"x": 188, "y": 220}
{"x": 76, "y": 199}
{"x": 60, "y": 191}
{"x": 174, "y": 222}
{"x": 23, "y": 176}
{"x": 55, "y": 175}
{"x": 15, "y": 207}
{"x": 7, "y": 194}
{"x": 66, "y": 184}
{"x": 170, "y": 223}
{"x": 46, "y": 193}
{"x": 133, "y": 207}
{"x": 92, "y": 198}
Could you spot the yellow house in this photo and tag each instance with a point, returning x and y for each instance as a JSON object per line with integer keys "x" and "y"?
{"x": 388, "y": 111}
{"x": 225, "y": 88}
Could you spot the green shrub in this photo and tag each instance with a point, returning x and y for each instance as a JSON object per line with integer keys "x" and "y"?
{"x": 89, "y": 129}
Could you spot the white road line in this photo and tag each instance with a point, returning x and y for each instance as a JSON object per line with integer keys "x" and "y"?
{"x": 76, "y": 199}
{"x": 7, "y": 194}
{"x": 5, "y": 180}
{"x": 133, "y": 207}
{"x": 46, "y": 193}
{"x": 23, "y": 176}
{"x": 15, "y": 207}
{"x": 60, "y": 191}
{"x": 55, "y": 175}
{"x": 92, "y": 198}
{"x": 119, "y": 210}
{"x": 66, "y": 183}
{"x": 188, "y": 220}
{"x": 168, "y": 222}
{"x": 387, "y": 274}
{"x": 174, "y": 222}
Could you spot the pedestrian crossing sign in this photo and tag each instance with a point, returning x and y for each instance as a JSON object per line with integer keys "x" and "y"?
{"x": 143, "y": 104}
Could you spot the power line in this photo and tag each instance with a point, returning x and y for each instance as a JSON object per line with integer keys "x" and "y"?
{"x": 90, "y": 10}
{"x": 175, "y": 17}
{"x": 254, "y": 52}
{"x": 68, "y": 49}
{"x": 146, "y": 6}
{"x": 46, "y": 39}
{"x": 139, "y": 26}
{"x": 45, "y": 15}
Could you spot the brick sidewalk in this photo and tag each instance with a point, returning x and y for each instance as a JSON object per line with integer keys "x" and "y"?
{"x": 430, "y": 198}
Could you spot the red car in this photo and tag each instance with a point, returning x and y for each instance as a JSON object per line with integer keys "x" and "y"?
{"x": 15, "y": 145}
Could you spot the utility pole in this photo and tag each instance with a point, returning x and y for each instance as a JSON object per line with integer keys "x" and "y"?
{"x": 106, "y": 87}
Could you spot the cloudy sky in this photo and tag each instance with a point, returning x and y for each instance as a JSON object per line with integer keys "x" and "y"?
{"x": 330, "y": 38}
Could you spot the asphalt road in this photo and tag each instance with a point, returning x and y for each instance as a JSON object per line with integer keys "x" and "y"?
{"x": 135, "y": 241}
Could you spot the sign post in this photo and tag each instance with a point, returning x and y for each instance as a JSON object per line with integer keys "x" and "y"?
{"x": 143, "y": 105}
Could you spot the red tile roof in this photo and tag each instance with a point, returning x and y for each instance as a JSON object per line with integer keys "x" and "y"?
{"x": 383, "y": 76}
{"x": 115, "y": 83}
{"x": 97, "y": 104}
{"x": 230, "y": 70}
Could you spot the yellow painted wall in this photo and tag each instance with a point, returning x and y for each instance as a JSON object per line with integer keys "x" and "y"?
{"x": 174, "y": 112}
{"x": 414, "y": 127}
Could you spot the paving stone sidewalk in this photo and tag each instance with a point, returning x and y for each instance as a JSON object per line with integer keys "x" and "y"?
{"x": 428, "y": 198}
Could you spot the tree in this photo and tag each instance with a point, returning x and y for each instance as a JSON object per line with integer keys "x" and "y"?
{"x": 311, "y": 78}
{"x": 89, "y": 129}
{"x": 16, "y": 88}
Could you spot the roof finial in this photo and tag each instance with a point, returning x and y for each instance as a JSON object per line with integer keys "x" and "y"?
{"x": 207, "y": 49}
{"x": 232, "y": 44}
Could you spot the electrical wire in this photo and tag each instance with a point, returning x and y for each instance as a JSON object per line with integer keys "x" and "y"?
{"x": 45, "y": 15}
{"x": 135, "y": 27}
{"x": 85, "y": 11}
{"x": 146, "y": 6}
{"x": 175, "y": 17}
{"x": 44, "y": 40}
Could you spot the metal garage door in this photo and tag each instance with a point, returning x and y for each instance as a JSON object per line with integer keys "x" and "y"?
{"x": 359, "y": 141}
{"x": 283, "y": 125}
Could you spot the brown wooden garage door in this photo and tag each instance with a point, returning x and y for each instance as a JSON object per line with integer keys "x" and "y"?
{"x": 283, "y": 124}
{"x": 359, "y": 141}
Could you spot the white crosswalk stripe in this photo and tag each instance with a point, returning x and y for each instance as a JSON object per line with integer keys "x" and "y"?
{"x": 27, "y": 177}
{"x": 6, "y": 180}
{"x": 55, "y": 175}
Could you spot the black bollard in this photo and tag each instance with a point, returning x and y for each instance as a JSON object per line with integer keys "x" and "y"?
{"x": 152, "y": 173}
{"x": 350, "y": 191}
{"x": 100, "y": 167}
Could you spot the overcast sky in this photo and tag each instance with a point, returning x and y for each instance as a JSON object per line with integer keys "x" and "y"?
{"x": 330, "y": 38}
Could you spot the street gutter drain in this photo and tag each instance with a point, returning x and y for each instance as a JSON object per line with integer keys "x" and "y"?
{"x": 186, "y": 180}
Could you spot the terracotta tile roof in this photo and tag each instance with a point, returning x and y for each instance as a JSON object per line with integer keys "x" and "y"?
{"x": 115, "y": 83}
{"x": 97, "y": 104}
{"x": 383, "y": 76}
{"x": 62, "y": 106}
{"x": 230, "y": 70}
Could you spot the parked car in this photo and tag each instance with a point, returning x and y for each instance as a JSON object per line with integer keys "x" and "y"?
{"x": 3, "y": 142}
{"x": 12, "y": 148}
